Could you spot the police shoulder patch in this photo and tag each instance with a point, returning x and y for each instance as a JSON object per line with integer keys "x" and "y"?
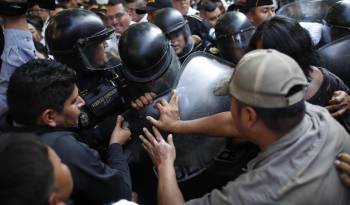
{"x": 214, "y": 50}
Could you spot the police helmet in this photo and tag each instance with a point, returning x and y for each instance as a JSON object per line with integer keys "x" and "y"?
{"x": 233, "y": 32}
{"x": 79, "y": 39}
{"x": 172, "y": 23}
{"x": 148, "y": 61}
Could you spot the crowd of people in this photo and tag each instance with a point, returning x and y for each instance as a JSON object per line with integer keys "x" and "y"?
{"x": 70, "y": 76}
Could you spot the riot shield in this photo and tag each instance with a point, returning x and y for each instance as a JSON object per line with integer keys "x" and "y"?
{"x": 194, "y": 84}
{"x": 335, "y": 57}
{"x": 307, "y": 10}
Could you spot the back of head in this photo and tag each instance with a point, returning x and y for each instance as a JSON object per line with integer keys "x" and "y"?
{"x": 70, "y": 35}
{"x": 36, "y": 86}
{"x": 273, "y": 84}
{"x": 287, "y": 36}
{"x": 233, "y": 31}
{"x": 338, "y": 19}
{"x": 26, "y": 174}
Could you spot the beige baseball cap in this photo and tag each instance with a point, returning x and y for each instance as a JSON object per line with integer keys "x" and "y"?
{"x": 266, "y": 78}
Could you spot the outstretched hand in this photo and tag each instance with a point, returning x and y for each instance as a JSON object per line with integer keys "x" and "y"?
{"x": 161, "y": 152}
{"x": 169, "y": 114}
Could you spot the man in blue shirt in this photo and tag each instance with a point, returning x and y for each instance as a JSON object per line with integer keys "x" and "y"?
{"x": 18, "y": 49}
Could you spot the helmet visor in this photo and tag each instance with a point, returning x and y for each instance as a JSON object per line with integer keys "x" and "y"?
{"x": 238, "y": 40}
{"x": 100, "y": 52}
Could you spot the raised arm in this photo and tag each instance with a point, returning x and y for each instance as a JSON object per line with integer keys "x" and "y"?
{"x": 219, "y": 125}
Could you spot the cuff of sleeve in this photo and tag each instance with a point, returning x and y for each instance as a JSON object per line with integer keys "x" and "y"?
{"x": 115, "y": 149}
{"x": 115, "y": 155}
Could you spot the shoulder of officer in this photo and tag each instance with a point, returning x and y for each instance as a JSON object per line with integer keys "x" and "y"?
{"x": 195, "y": 17}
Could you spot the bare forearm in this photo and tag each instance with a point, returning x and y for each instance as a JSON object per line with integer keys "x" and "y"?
{"x": 168, "y": 190}
{"x": 219, "y": 125}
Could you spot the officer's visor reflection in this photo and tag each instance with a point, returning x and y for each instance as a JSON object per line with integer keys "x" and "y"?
{"x": 99, "y": 54}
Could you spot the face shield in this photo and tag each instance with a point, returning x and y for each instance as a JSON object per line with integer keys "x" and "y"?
{"x": 99, "y": 52}
{"x": 181, "y": 41}
{"x": 161, "y": 82}
{"x": 237, "y": 40}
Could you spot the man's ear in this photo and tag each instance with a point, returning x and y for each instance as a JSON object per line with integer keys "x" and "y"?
{"x": 249, "y": 116}
{"x": 53, "y": 200}
{"x": 49, "y": 117}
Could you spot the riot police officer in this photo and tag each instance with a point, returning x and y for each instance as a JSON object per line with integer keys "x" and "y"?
{"x": 176, "y": 29}
{"x": 233, "y": 32}
{"x": 79, "y": 39}
{"x": 149, "y": 63}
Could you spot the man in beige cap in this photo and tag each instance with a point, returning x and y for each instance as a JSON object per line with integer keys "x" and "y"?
{"x": 299, "y": 141}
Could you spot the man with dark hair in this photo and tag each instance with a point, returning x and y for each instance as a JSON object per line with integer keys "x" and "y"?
{"x": 43, "y": 98}
{"x": 210, "y": 12}
{"x": 118, "y": 15}
{"x": 298, "y": 141}
{"x": 31, "y": 173}
{"x": 17, "y": 37}
{"x": 259, "y": 11}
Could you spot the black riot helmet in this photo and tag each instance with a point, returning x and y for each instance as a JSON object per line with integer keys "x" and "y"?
{"x": 173, "y": 24}
{"x": 337, "y": 20}
{"x": 79, "y": 39}
{"x": 233, "y": 32}
{"x": 147, "y": 58}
